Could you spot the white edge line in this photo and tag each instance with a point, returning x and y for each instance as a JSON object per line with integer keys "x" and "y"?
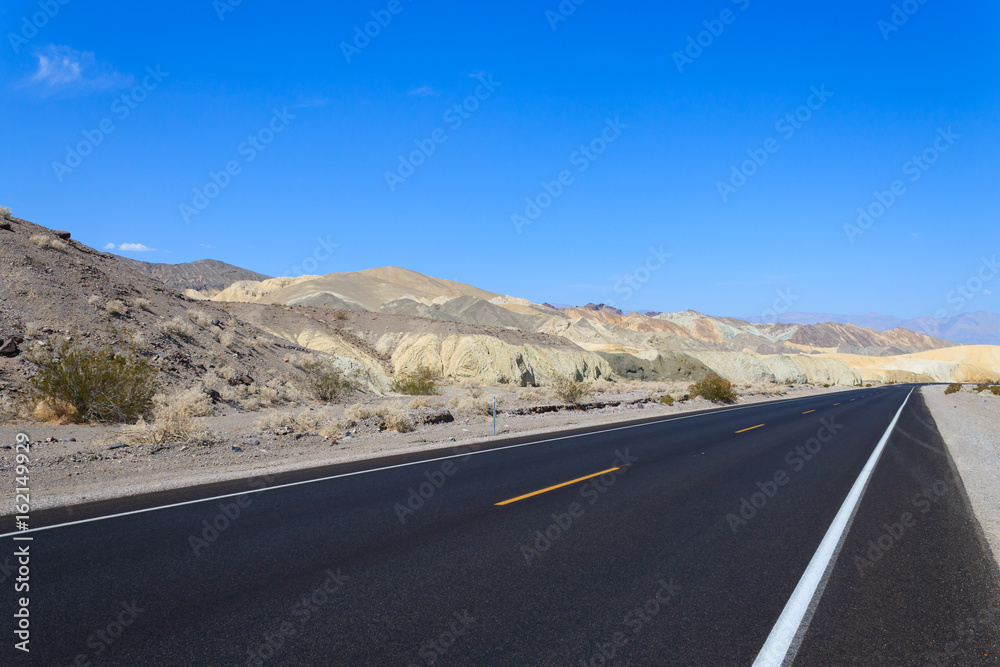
{"x": 401, "y": 465}
{"x": 779, "y": 645}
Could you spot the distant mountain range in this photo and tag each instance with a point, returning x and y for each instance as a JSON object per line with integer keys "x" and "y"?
{"x": 205, "y": 275}
{"x": 978, "y": 328}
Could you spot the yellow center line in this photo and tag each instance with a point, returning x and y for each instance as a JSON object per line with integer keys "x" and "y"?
{"x": 750, "y": 429}
{"x": 836, "y": 403}
{"x": 557, "y": 486}
{"x": 808, "y": 411}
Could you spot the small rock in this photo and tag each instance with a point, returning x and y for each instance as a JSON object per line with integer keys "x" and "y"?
{"x": 62, "y": 234}
{"x": 255, "y": 442}
{"x": 236, "y": 449}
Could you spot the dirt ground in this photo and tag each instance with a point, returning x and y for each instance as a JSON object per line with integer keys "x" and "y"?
{"x": 79, "y": 463}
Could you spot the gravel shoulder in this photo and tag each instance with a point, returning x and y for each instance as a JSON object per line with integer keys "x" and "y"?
{"x": 74, "y": 464}
{"x": 970, "y": 425}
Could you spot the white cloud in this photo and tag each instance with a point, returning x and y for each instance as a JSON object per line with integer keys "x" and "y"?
{"x": 64, "y": 67}
{"x": 130, "y": 247}
{"x": 987, "y": 292}
{"x": 424, "y": 91}
{"x": 204, "y": 245}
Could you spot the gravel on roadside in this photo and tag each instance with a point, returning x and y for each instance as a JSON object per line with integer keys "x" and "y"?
{"x": 969, "y": 422}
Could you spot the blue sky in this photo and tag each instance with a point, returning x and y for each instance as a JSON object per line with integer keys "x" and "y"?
{"x": 620, "y": 100}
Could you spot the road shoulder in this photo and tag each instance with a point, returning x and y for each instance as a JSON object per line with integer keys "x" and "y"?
{"x": 970, "y": 425}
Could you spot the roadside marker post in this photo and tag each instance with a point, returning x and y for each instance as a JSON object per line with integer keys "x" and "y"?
{"x": 494, "y": 415}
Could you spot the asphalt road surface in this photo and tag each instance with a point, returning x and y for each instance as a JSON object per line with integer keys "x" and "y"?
{"x": 798, "y": 530}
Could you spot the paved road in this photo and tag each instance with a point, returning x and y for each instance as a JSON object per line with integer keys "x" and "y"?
{"x": 684, "y": 550}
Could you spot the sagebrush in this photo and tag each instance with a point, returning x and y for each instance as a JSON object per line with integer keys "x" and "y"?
{"x": 105, "y": 383}
{"x": 420, "y": 382}
{"x": 714, "y": 388}
{"x": 569, "y": 390}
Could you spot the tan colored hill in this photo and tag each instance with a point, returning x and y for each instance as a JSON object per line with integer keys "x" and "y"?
{"x": 380, "y": 322}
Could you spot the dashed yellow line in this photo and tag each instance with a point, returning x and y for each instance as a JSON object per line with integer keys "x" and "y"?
{"x": 808, "y": 411}
{"x": 557, "y": 486}
{"x": 749, "y": 429}
{"x": 836, "y": 403}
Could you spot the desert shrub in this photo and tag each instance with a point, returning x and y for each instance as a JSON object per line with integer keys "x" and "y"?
{"x": 327, "y": 381}
{"x": 320, "y": 422}
{"x": 227, "y": 339}
{"x": 603, "y": 387}
{"x": 474, "y": 388}
{"x": 94, "y": 300}
{"x": 177, "y": 328}
{"x": 398, "y": 421}
{"x": 32, "y": 329}
{"x": 40, "y": 240}
{"x": 826, "y": 385}
{"x": 420, "y": 382}
{"x": 58, "y": 244}
{"x": 141, "y": 303}
{"x": 4, "y": 212}
{"x": 867, "y": 385}
{"x": 193, "y": 402}
{"x": 953, "y": 388}
{"x": 340, "y": 315}
{"x": 200, "y": 318}
{"x": 176, "y": 418}
{"x": 115, "y": 307}
{"x": 714, "y": 388}
{"x": 103, "y": 384}
{"x": 419, "y": 402}
{"x": 569, "y": 390}
{"x": 390, "y": 417}
{"x": 667, "y": 399}
{"x": 533, "y": 394}
{"x": 359, "y": 412}
{"x": 480, "y": 406}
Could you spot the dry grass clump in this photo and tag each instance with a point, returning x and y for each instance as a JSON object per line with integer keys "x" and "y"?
{"x": 389, "y": 416}
{"x": 474, "y": 388}
{"x": 42, "y": 241}
{"x": 115, "y": 307}
{"x": 318, "y": 422}
{"x": 250, "y": 397}
{"x": 199, "y": 318}
{"x": 533, "y": 394}
{"x": 176, "y": 418}
{"x": 177, "y": 327}
{"x": 479, "y": 406}
{"x": 94, "y": 300}
{"x": 4, "y": 212}
{"x": 762, "y": 389}
{"x": 227, "y": 339}
{"x": 604, "y": 387}
{"x": 54, "y": 411}
{"x": 141, "y": 303}
{"x": 421, "y": 402}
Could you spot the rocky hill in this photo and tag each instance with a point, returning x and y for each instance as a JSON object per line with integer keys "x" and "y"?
{"x": 204, "y": 275}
